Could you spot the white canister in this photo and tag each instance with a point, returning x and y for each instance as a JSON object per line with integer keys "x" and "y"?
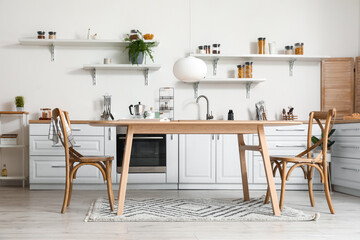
{"x": 107, "y": 60}
{"x": 272, "y": 47}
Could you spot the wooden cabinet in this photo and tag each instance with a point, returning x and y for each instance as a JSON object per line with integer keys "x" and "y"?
{"x": 337, "y": 86}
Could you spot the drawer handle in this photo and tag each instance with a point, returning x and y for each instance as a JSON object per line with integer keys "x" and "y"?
{"x": 350, "y": 129}
{"x": 76, "y": 129}
{"x": 352, "y": 147}
{"x": 290, "y": 130}
{"x": 77, "y": 145}
{"x": 351, "y": 169}
{"x": 302, "y": 146}
{"x": 58, "y": 166}
{"x": 143, "y": 138}
{"x": 59, "y": 145}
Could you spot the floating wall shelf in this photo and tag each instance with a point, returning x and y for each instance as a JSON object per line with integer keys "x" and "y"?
{"x": 141, "y": 67}
{"x": 74, "y": 42}
{"x": 247, "y": 81}
{"x": 261, "y": 57}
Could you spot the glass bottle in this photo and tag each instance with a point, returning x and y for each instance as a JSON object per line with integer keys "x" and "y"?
{"x": 4, "y": 171}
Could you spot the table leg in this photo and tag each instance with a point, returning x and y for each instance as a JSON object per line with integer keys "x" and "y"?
{"x": 268, "y": 170}
{"x": 125, "y": 170}
{"x": 243, "y": 168}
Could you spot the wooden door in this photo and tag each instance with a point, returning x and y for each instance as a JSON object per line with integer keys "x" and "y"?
{"x": 337, "y": 86}
{"x": 357, "y": 85}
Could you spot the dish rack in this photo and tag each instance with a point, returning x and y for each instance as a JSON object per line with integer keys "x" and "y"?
{"x": 166, "y": 102}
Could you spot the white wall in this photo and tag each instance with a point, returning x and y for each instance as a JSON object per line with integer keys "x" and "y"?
{"x": 327, "y": 27}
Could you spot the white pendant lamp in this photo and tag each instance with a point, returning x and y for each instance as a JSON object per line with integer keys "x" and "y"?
{"x": 190, "y": 69}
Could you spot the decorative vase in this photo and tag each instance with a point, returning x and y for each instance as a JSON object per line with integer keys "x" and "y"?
{"x": 138, "y": 60}
{"x": 19, "y": 109}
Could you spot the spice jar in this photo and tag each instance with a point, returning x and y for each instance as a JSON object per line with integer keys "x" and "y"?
{"x": 241, "y": 71}
{"x": 261, "y": 45}
{"x": 45, "y": 113}
{"x": 201, "y": 50}
{"x": 289, "y": 50}
{"x": 299, "y": 48}
{"x": 248, "y": 70}
{"x": 216, "y": 48}
{"x": 52, "y": 35}
{"x": 41, "y": 34}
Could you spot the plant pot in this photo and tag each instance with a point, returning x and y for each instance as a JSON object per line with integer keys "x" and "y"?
{"x": 19, "y": 109}
{"x": 316, "y": 152}
{"x": 138, "y": 60}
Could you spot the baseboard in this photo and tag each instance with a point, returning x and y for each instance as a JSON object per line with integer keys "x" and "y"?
{"x": 102, "y": 186}
{"x": 346, "y": 190}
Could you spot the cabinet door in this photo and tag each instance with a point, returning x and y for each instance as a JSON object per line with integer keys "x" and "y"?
{"x": 110, "y": 148}
{"x": 228, "y": 159}
{"x": 197, "y": 158}
{"x": 172, "y": 158}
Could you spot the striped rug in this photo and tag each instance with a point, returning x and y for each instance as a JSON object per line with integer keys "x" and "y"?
{"x": 193, "y": 210}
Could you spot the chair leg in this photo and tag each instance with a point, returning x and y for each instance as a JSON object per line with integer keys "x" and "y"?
{"x": 311, "y": 193}
{"x": 71, "y": 184}
{"x": 283, "y": 182}
{"x": 327, "y": 192}
{"x": 108, "y": 165}
{"x": 66, "y": 195}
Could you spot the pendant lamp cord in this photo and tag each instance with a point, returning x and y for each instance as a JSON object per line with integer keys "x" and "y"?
{"x": 189, "y": 27}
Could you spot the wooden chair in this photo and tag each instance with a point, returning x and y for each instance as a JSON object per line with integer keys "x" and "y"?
{"x": 74, "y": 160}
{"x": 304, "y": 159}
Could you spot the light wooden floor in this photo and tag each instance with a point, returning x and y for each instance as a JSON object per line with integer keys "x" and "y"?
{"x": 28, "y": 214}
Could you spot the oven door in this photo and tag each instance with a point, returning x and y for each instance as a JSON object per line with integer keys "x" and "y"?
{"x": 148, "y": 153}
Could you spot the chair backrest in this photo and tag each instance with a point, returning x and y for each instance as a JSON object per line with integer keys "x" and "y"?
{"x": 62, "y": 133}
{"x": 319, "y": 118}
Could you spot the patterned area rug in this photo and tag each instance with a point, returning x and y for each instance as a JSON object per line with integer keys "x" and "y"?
{"x": 193, "y": 210}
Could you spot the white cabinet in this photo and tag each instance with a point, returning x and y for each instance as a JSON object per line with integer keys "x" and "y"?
{"x": 197, "y": 158}
{"x": 228, "y": 159}
{"x": 345, "y": 161}
{"x": 210, "y": 158}
{"x": 47, "y": 161}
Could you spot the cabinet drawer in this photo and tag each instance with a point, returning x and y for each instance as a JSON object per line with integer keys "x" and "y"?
{"x": 283, "y": 145}
{"x": 86, "y": 145}
{"x": 298, "y": 130}
{"x": 52, "y": 170}
{"x": 77, "y": 130}
{"x": 346, "y": 147}
{"x": 296, "y": 177}
{"x": 345, "y": 172}
{"x": 348, "y": 129}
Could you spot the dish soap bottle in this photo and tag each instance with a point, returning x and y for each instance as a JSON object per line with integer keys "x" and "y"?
{"x": 4, "y": 171}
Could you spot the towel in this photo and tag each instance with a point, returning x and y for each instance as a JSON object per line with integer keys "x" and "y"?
{"x": 56, "y": 125}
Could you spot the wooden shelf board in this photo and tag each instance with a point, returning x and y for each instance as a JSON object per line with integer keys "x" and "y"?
{"x": 262, "y": 57}
{"x": 232, "y": 80}
{"x": 122, "y": 66}
{"x": 76, "y": 42}
{"x": 11, "y": 146}
{"x": 12, "y": 178}
{"x": 12, "y": 112}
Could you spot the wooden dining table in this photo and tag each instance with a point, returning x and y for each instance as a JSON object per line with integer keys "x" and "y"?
{"x": 238, "y": 127}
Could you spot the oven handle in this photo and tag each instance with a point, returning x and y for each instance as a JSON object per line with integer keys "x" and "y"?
{"x": 153, "y": 138}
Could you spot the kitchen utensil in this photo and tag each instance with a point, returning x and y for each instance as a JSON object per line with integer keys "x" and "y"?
{"x": 139, "y": 110}
{"x": 107, "y": 108}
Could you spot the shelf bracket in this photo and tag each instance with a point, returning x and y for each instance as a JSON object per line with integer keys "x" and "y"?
{"x": 146, "y": 77}
{"x": 94, "y": 76}
{"x": 248, "y": 86}
{"x": 196, "y": 89}
{"x": 291, "y": 67}
{"x": 216, "y": 60}
{"x": 52, "y": 50}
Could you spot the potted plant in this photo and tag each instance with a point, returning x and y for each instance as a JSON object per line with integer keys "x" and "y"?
{"x": 138, "y": 47}
{"x": 314, "y": 140}
{"x": 19, "y": 103}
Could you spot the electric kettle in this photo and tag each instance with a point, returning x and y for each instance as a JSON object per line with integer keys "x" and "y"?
{"x": 139, "y": 110}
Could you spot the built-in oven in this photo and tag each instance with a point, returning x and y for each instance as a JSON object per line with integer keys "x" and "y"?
{"x": 148, "y": 153}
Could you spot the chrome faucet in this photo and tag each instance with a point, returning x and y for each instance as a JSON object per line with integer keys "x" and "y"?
{"x": 208, "y": 115}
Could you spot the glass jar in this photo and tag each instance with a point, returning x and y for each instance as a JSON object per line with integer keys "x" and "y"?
{"x": 41, "y": 35}
{"x": 241, "y": 71}
{"x": 299, "y": 48}
{"x": 216, "y": 48}
{"x": 289, "y": 50}
{"x": 248, "y": 70}
{"x": 201, "y": 50}
{"x": 260, "y": 46}
{"x": 45, "y": 113}
{"x": 52, "y": 35}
